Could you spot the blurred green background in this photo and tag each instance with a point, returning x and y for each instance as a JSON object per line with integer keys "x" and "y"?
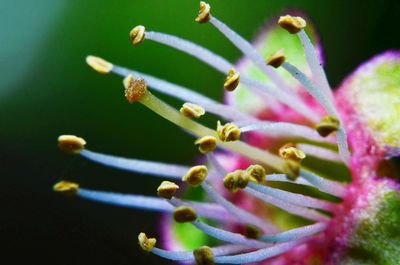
{"x": 46, "y": 89}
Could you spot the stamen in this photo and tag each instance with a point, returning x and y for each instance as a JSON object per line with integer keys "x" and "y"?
{"x": 287, "y": 206}
{"x": 206, "y": 210}
{"x": 291, "y": 169}
{"x": 248, "y": 50}
{"x": 99, "y": 65}
{"x": 204, "y": 256}
{"x": 242, "y": 215}
{"x": 147, "y": 244}
{"x": 324, "y": 185}
{"x": 293, "y": 198}
{"x": 276, "y": 59}
{"x": 315, "y": 64}
{"x": 191, "y": 110}
{"x": 327, "y": 125}
{"x": 137, "y": 35}
{"x": 66, "y": 188}
{"x": 244, "y": 149}
{"x": 186, "y": 94}
{"x": 232, "y": 80}
{"x": 135, "y": 165}
{"x": 71, "y": 144}
{"x": 196, "y": 175}
{"x": 258, "y": 255}
{"x": 204, "y": 13}
{"x": 228, "y": 132}
{"x": 292, "y": 24}
{"x": 320, "y": 152}
{"x": 295, "y": 234}
{"x": 282, "y": 129}
{"x": 184, "y": 214}
{"x": 167, "y": 189}
{"x": 236, "y": 180}
{"x": 206, "y": 144}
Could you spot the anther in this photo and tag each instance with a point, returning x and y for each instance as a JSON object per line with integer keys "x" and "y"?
{"x": 137, "y": 35}
{"x": 206, "y": 144}
{"x": 191, "y": 110}
{"x": 292, "y": 24}
{"x": 327, "y": 125}
{"x": 253, "y": 232}
{"x": 276, "y": 59}
{"x": 204, "y": 256}
{"x": 257, "y": 173}
{"x": 196, "y": 175}
{"x": 290, "y": 152}
{"x": 135, "y": 89}
{"x": 236, "y": 180}
{"x": 167, "y": 189}
{"x": 99, "y": 65}
{"x": 228, "y": 132}
{"x": 66, "y": 188}
{"x": 71, "y": 144}
{"x": 147, "y": 244}
{"x": 232, "y": 80}
{"x": 184, "y": 214}
{"x": 204, "y": 13}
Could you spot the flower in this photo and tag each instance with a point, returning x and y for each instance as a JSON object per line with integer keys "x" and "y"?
{"x": 285, "y": 187}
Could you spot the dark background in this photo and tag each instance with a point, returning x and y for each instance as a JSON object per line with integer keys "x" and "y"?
{"x": 46, "y": 90}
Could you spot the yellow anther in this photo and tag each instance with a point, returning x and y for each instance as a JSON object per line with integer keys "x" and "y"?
{"x": 66, "y": 187}
{"x": 257, "y": 173}
{"x": 291, "y": 169}
{"x": 147, "y": 244}
{"x": 327, "y": 125}
{"x": 137, "y": 35}
{"x": 276, "y": 59}
{"x": 236, "y": 180}
{"x": 99, "y": 65}
{"x": 292, "y": 24}
{"x": 253, "y": 232}
{"x": 228, "y": 132}
{"x": 290, "y": 152}
{"x": 196, "y": 175}
{"x": 184, "y": 214}
{"x": 71, "y": 144}
{"x": 191, "y": 110}
{"x": 135, "y": 89}
{"x": 204, "y": 13}
{"x": 206, "y": 144}
{"x": 204, "y": 256}
{"x": 232, "y": 80}
{"x": 167, "y": 189}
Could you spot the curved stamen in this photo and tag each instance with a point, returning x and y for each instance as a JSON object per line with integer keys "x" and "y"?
{"x": 136, "y": 165}
{"x": 320, "y": 152}
{"x": 206, "y": 210}
{"x": 283, "y": 178}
